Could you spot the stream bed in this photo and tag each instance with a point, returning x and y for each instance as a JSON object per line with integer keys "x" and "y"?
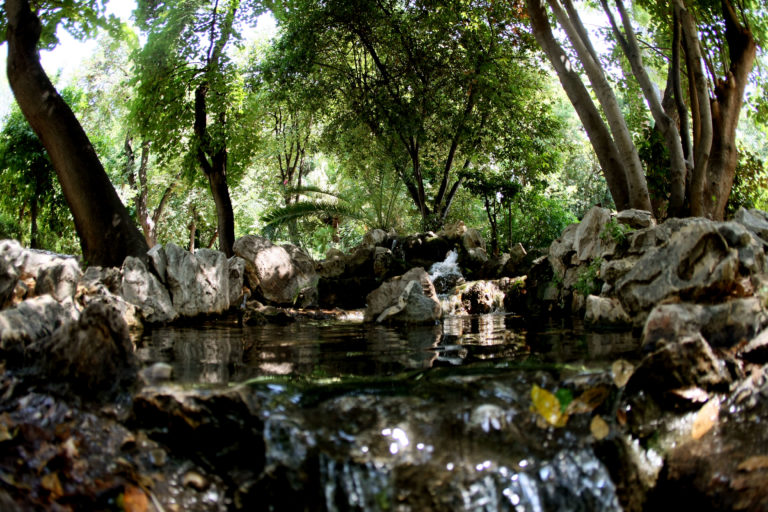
{"x": 342, "y": 415}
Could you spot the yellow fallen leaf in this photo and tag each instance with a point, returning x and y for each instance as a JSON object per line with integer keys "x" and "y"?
{"x": 705, "y": 419}
{"x": 621, "y": 370}
{"x": 588, "y": 401}
{"x": 753, "y": 463}
{"x": 134, "y": 499}
{"x": 52, "y": 484}
{"x": 547, "y": 406}
{"x": 599, "y": 428}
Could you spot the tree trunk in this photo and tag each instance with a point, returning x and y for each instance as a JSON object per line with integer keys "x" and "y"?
{"x": 726, "y": 107}
{"x": 599, "y": 136}
{"x": 107, "y": 233}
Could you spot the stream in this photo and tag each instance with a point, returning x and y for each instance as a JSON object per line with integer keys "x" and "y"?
{"x": 354, "y": 416}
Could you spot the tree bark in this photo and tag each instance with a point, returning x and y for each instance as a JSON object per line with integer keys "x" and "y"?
{"x": 726, "y": 108}
{"x": 599, "y": 136}
{"x": 107, "y": 233}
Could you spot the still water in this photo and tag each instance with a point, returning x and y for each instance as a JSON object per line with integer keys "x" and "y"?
{"x": 356, "y": 416}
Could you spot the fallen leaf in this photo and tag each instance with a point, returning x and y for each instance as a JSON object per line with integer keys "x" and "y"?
{"x": 588, "y": 401}
{"x": 753, "y": 463}
{"x": 621, "y": 417}
{"x": 705, "y": 419}
{"x": 134, "y": 499}
{"x": 599, "y": 428}
{"x": 622, "y": 370}
{"x": 52, "y": 484}
{"x": 547, "y": 406}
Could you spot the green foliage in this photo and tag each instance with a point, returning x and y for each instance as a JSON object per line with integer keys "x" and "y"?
{"x": 588, "y": 282}
{"x": 654, "y": 155}
{"x": 750, "y": 185}
{"x": 537, "y": 220}
{"x": 615, "y": 231}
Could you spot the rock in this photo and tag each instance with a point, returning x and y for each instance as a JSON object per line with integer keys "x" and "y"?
{"x": 751, "y": 250}
{"x": 156, "y": 373}
{"x": 383, "y": 262}
{"x": 108, "y": 279}
{"x": 30, "y": 321}
{"x": 636, "y": 219}
{"x": 236, "y": 269}
{"x": 258, "y": 314}
{"x": 586, "y": 241}
{"x": 9, "y": 277}
{"x": 722, "y": 325}
{"x": 471, "y": 239}
{"x": 696, "y": 264}
{"x": 424, "y": 306}
{"x": 605, "y": 312}
{"x": 375, "y": 237}
{"x": 346, "y": 293}
{"x": 159, "y": 262}
{"x": 756, "y": 351}
{"x": 561, "y": 250}
{"x": 59, "y": 279}
{"x": 515, "y": 295}
{"x": 105, "y": 284}
{"x": 198, "y": 283}
{"x": 93, "y": 355}
{"x": 453, "y": 232}
{"x": 278, "y": 274}
{"x": 333, "y": 265}
{"x": 142, "y": 289}
{"x": 481, "y": 297}
{"x": 754, "y": 220}
{"x": 516, "y": 263}
{"x": 687, "y": 361}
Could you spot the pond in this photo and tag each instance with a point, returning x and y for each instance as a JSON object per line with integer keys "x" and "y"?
{"x": 356, "y": 416}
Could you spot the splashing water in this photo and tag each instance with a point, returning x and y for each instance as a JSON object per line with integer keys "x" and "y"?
{"x": 445, "y": 275}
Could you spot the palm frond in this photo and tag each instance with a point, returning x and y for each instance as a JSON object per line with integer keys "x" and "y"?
{"x": 281, "y": 216}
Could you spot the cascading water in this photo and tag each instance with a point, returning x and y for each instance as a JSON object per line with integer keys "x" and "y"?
{"x": 446, "y": 275}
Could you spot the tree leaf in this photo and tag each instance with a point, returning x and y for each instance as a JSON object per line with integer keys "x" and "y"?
{"x": 622, "y": 370}
{"x": 588, "y": 401}
{"x": 705, "y": 419}
{"x": 548, "y": 407}
{"x": 599, "y": 428}
{"x": 134, "y": 499}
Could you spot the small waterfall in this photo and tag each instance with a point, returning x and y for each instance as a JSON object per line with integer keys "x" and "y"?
{"x": 445, "y": 275}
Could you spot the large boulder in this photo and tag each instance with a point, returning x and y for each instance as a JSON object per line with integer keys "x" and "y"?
{"x": 104, "y": 284}
{"x": 93, "y": 355}
{"x": 30, "y": 321}
{"x": 399, "y": 300}
{"x": 141, "y": 288}
{"x": 696, "y": 263}
{"x": 59, "y": 278}
{"x": 754, "y": 220}
{"x": 198, "y": 283}
{"x": 588, "y": 244}
{"x": 236, "y": 267}
{"x": 279, "y": 274}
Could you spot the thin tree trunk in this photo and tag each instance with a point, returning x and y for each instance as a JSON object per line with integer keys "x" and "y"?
{"x": 636, "y": 184}
{"x": 107, "y": 233}
{"x": 599, "y": 136}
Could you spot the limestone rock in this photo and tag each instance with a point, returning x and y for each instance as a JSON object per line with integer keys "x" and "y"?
{"x": 756, "y": 351}
{"x": 142, "y": 289}
{"x": 279, "y": 274}
{"x": 605, "y": 312}
{"x": 198, "y": 283}
{"x": 481, "y": 297}
{"x": 236, "y": 268}
{"x": 696, "y": 263}
{"x": 586, "y": 241}
{"x": 9, "y": 277}
{"x": 59, "y": 279}
{"x": 397, "y": 293}
{"x": 754, "y": 220}
{"x": 31, "y": 320}
{"x": 560, "y": 251}
{"x": 636, "y": 219}
{"x": 93, "y": 354}
{"x": 159, "y": 262}
{"x": 721, "y": 325}
{"x": 375, "y": 237}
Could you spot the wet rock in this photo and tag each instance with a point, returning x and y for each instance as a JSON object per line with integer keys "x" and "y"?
{"x": 696, "y": 264}
{"x": 258, "y": 314}
{"x": 722, "y": 325}
{"x": 30, "y": 321}
{"x": 142, "y": 289}
{"x": 636, "y": 219}
{"x": 156, "y": 373}
{"x": 383, "y": 263}
{"x": 403, "y": 301}
{"x": 198, "y": 283}
{"x": 687, "y": 361}
{"x": 277, "y": 273}
{"x": 481, "y": 297}
{"x": 93, "y": 355}
{"x": 605, "y": 312}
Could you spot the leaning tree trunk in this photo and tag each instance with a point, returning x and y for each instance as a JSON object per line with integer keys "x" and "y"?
{"x": 107, "y": 233}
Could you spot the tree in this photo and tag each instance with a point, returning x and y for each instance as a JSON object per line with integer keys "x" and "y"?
{"x": 107, "y": 233}
{"x": 698, "y": 127}
{"x": 189, "y": 94}
{"x": 425, "y": 78}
